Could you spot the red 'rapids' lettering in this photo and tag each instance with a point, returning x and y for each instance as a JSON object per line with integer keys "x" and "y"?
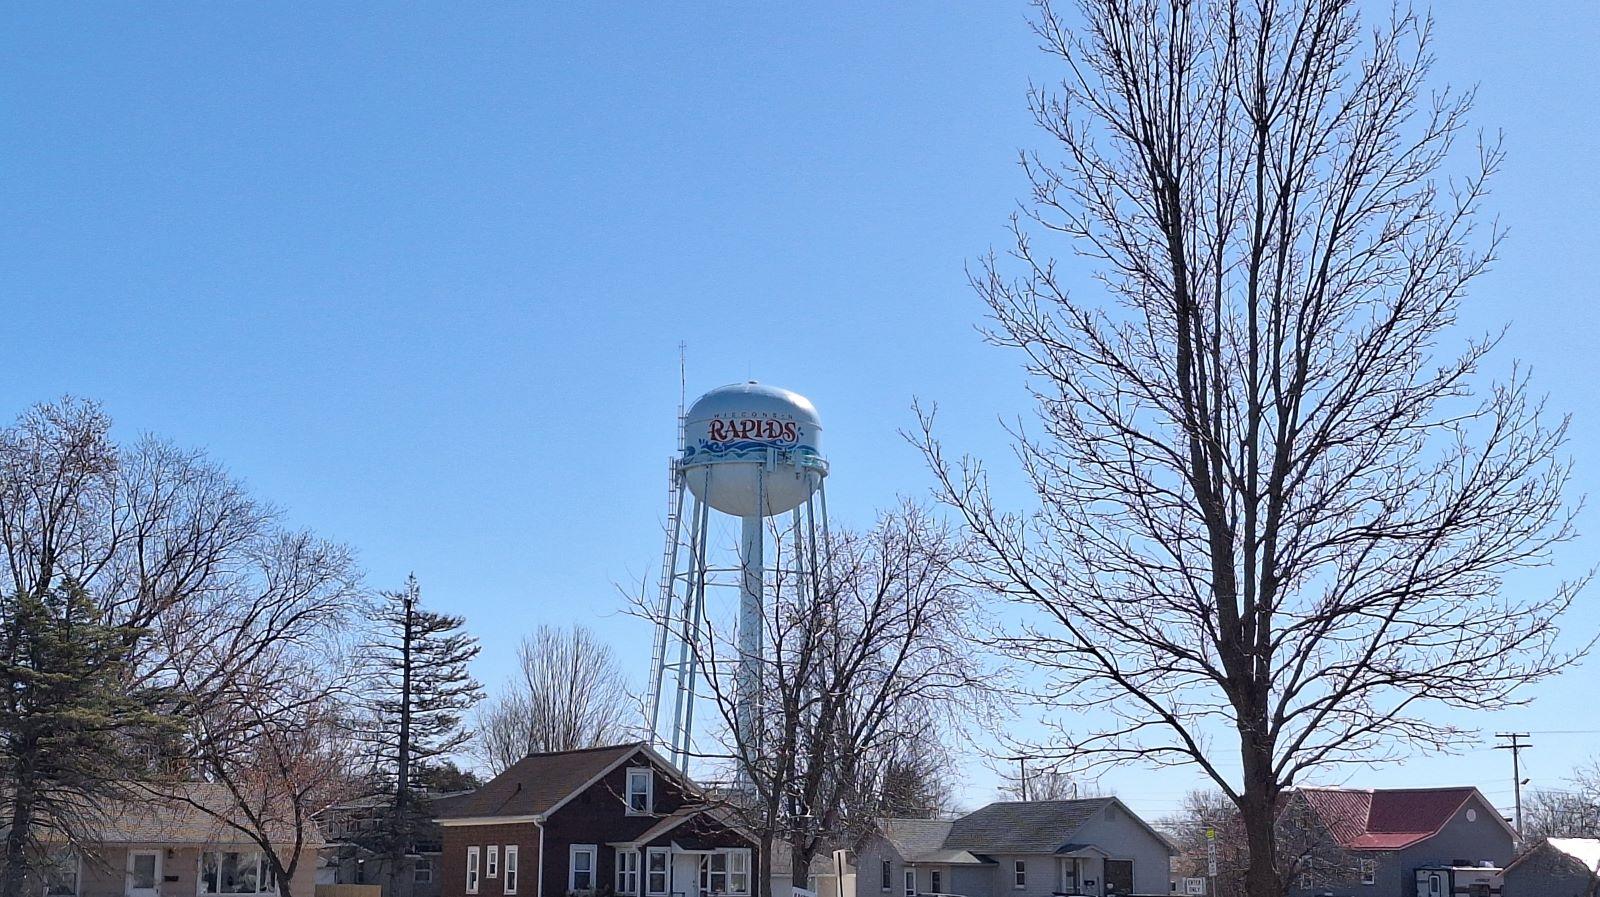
{"x": 772, "y": 430}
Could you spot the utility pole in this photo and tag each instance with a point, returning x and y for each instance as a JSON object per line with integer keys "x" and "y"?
{"x": 1515, "y": 745}
{"x": 1022, "y": 775}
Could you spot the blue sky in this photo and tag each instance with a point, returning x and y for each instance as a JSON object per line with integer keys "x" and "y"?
{"x": 419, "y": 272}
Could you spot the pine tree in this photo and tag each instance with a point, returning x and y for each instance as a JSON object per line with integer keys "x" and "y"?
{"x": 71, "y": 731}
{"x": 422, "y": 690}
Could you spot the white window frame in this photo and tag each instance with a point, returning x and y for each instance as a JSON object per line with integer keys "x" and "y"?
{"x": 1019, "y": 875}
{"x": 911, "y": 882}
{"x": 1369, "y": 870}
{"x": 573, "y": 852}
{"x": 491, "y": 861}
{"x": 936, "y": 878}
{"x": 264, "y": 875}
{"x": 76, "y": 862}
{"x": 666, "y": 871}
{"x": 737, "y": 865}
{"x": 886, "y": 876}
{"x": 648, "y": 775}
{"x": 472, "y": 870}
{"x": 513, "y": 870}
{"x": 627, "y": 863}
{"x": 422, "y": 870}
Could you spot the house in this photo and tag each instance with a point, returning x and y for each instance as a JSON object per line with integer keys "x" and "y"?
{"x": 348, "y": 857}
{"x": 166, "y": 846}
{"x": 1379, "y": 839}
{"x": 1556, "y": 867}
{"x": 607, "y": 820}
{"x": 1095, "y": 846}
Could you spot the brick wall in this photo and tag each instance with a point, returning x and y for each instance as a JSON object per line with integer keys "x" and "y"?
{"x": 453, "y": 860}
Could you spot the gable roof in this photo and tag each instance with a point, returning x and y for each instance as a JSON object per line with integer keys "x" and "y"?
{"x": 914, "y": 838}
{"x": 538, "y": 784}
{"x": 1035, "y": 826}
{"x": 1388, "y": 819}
{"x": 1583, "y": 851}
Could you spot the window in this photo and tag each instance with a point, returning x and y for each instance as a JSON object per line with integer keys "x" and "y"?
{"x": 1305, "y": 879}
{"x": 422, "y": 870}
{"x": 937, "y": 881}
{"x": 739, "y": 871}
{"x": 1019, "y": 874}
{"x": 492, "y": 862}
{"x": 655, "y": 872}
{"x": 627, "y": 871}
{"x": 888, "y": 876}
{"x": 235, "y": 872}
{"x": 641, "y": 791}
{"x": 726, "y": 872}
{"x": 61, "y": 876}
{"x": 511, "y": 869}
{"x": 580, "y": 868}
{"x": 472, "y": 870}
{"x": 1369, "y": 872}
{"x": 911, "y": 883}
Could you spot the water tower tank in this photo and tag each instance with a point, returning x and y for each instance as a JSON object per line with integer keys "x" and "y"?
{"x": 752, "y": 450}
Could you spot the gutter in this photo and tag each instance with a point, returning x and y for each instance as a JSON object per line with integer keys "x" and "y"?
{"x": 539, "y": 820}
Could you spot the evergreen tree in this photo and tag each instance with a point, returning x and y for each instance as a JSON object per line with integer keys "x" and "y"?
{"x": 422, "y": 689}
{"x": 71, "y": 731}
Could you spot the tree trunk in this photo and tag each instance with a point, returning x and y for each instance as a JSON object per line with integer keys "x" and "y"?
{"x": 1258, "y": 812}
{"x": 13, "y": 879}
{"x": 800, "y": 853}
{"x": 764, "y": 867}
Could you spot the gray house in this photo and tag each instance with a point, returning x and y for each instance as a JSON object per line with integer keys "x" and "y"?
{"x": 1556, "y": 867}
{"x": 1017, "y": 849}
{"x": 1373, "y": 843}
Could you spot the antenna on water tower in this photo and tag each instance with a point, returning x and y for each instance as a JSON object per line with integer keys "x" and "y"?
{"x": 753, "y": 452}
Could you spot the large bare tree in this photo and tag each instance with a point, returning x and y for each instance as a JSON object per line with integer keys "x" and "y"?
{"x": 158, "y": 547}
{"x": 863, "y": 652}
{"x": 1275, "y": 500}
{"x": 568, "y": 693}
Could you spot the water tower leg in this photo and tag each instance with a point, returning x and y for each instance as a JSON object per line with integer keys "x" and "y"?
{"x": 751, "y": 564}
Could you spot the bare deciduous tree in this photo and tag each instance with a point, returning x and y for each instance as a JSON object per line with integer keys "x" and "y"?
{"x": 1274, "y": 509}
{"x": 869, "y": 654}
{"x": 569, "y": 693}
{"x": 198, "y": 579}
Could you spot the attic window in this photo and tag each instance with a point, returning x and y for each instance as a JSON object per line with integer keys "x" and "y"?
{"x": 641, "y": 791}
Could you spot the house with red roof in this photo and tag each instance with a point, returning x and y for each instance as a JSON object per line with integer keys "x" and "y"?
{"x": 1380, "y": 839}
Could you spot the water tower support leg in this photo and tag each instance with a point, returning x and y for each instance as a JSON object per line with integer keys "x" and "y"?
{"x": 751, "y": 564}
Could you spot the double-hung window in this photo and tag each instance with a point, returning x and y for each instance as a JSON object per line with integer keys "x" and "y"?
{"x": 656, "y": 878}
{"x": 237, "y": 872}
{"x": 492, "y": 862}
{"x": 422, "y": 870}
{"x": 641, "y": 791}
{"x": 1369, "y": 871}
{"x": 580, "y": 868}
{"x": 512, "y": 869}
{"x": 627, "y": 871}
{"x": 1019, "y": 874}
{"x": 472, "y": 870}
{"x": 739, "y": 871}
{"x": 911, "y": 883}
{"x": 61, "y": 876}
{"x": 886, "y": 877}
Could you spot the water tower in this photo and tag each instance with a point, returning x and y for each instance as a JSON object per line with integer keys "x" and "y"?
{"x": 753, "y": 452}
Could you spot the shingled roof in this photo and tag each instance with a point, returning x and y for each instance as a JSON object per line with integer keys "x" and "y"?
{"x": 1386, "y": 819}
{"x": 537, "y": 783}
{"x": 1035, "y": 826}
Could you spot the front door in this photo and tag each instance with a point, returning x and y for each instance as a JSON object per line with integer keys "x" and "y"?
{"x": 1119, "y": 877}
{"x": 144, "y": 873}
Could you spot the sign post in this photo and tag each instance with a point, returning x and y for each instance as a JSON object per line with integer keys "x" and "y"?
{"x": 1211, "y": 856}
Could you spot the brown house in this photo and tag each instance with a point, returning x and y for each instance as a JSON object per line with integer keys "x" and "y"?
{"x": 610, "y": 820}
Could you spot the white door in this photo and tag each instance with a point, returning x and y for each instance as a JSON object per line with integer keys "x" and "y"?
{"x": 144, "y": 873}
